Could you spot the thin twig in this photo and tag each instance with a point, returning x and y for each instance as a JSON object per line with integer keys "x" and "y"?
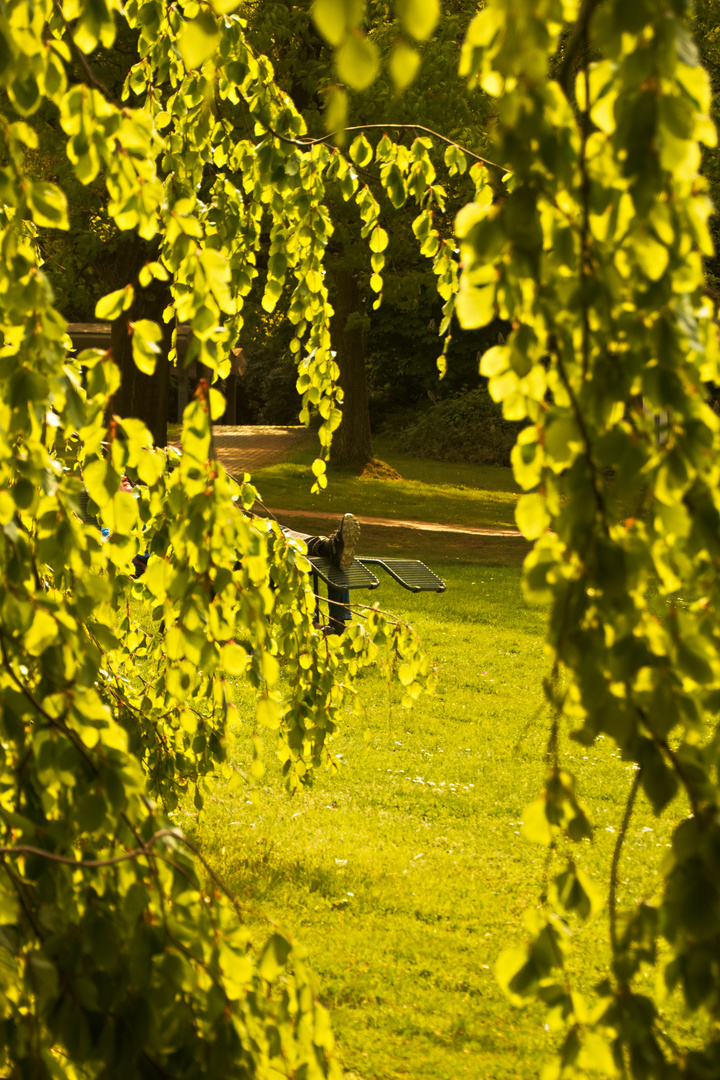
{"x": 682, "y": 773}
{"x": 81, "y": 864}
{"x": 383, "y": 127}
{"x": 136, "y": 853}
{"x": 579, "y": 35}
{"x": 585, "y": 226}
{"x": 612, "y": 898}
{"x": 594, "y": 472}
{"x": 89, "y": 73}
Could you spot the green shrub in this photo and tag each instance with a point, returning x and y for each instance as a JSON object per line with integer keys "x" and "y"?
{"x": 467, "y": 427}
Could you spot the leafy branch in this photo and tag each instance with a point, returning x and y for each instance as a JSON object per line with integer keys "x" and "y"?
{"x": 309, "y": 143}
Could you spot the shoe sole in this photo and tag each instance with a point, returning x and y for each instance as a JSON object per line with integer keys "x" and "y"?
{"x": 350, "y": 532}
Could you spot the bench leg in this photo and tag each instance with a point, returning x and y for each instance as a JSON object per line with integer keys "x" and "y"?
{"x": 316, "y": 590}
{"x": 338, "y": 600}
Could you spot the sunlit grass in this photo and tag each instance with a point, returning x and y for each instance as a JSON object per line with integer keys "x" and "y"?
{"x": 407, "y": 873}
{"x": 453, "y": 494}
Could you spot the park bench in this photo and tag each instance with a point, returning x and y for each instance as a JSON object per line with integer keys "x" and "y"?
{"x": 411, "y": 574}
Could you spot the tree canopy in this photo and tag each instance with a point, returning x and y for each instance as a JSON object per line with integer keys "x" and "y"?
{"x": 122, "y": 952}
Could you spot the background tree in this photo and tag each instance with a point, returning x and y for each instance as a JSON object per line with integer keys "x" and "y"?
{"x": 302, "y": 64}
{"x": 95, "y": 257}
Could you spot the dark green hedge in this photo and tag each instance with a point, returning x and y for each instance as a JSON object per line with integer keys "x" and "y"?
{"x": 467, "y": 427}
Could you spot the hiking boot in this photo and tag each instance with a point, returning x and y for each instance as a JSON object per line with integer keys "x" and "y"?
{"x": 344, "y": 541}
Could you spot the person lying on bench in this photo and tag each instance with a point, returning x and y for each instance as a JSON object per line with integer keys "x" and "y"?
{"x": 340, "y": 549}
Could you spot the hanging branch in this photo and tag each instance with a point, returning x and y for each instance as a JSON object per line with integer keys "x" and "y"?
{"x": 577, "y": 39}
{"x": 383, "y": 127}
{"x": 82, "y": 59}
{"x": 612, "y": 898}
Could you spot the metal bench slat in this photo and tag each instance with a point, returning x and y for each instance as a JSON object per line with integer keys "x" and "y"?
{"x": 410, "y": 573}
{"x": 356, "y": 576}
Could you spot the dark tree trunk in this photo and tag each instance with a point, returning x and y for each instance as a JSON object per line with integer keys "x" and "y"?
{"x": 183, "y": 390}
{"x": 144, "y": 397}
{"x": 352, "y": 444}
{"x": 231, "y": 395}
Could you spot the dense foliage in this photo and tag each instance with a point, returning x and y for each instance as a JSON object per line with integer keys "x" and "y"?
{"x": 589, "y": 243}
{"x": 595, "y": 255}
{"x": 119, "y": 955}
{"x": 466, "y": 427}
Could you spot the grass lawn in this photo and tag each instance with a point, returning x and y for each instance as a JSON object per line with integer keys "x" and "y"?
{"x": 447, "y": 492}
{"x": 406, "y": 874}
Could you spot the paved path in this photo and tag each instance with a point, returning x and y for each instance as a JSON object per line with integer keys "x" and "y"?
{"x": 394, "y": 523}
{"x": 242, "y": 449}
{"x": 252, "y": 446}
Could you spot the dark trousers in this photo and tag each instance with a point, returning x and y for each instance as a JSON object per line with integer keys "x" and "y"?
{"x": 338, "y": 599}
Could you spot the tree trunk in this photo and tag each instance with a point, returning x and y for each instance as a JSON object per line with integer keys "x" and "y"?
{"x": 352, "y": 443}
{"x": 144, "y": 397}
{"x": 231, "y": 411}
{"x": 183, "y": 390}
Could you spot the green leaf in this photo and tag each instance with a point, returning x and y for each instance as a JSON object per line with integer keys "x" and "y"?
{"x": 234, "y": 658}
{"x": 269, "y": 712}
{"x": 47, "y": 204}
{"x": 111, "y": 306}
{"x": 101, "y": 481}
{"x": 652, "y": 257}
{"x": 25, "y": 93}
{"x": 218, "y": 404}
{"x": 475, "y": 307}
{"x": 404, "y": 65}
{"x": 358, "y": 62}
{"x": 532, "y": 516}
{"x": 535, "y": 823}
{"x": 509, "y": 969}
{"x": 43, "y": 631}
{"x": 361, "y": 151}
{"x": 336, "y": 18}
{"x": 7, "y": 507}
{"x": 146, "y": 338}
{"x": 152, "y": 270}
{"x": 378, "y": 239}
{"x": 329, "y": 17}
{"x": 150, "y": 466}
{"x": 198, "y": 40}
{"x": 336, "y": 111}
{"x": 572, "y": 890}
{"x": 419, "y": 17}
{"x": 121, "y": 513}
{"x": 274, "y": 958}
